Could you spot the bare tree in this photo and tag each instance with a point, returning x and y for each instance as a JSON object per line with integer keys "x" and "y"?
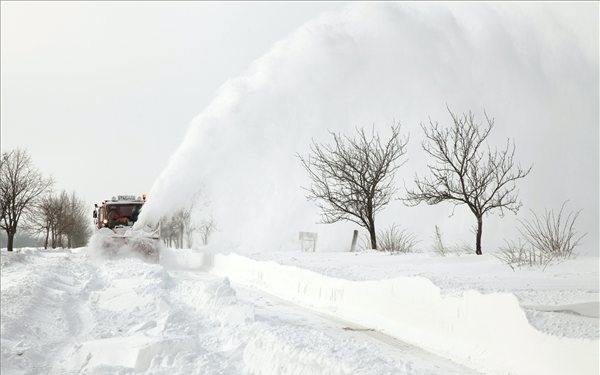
{"x": 167, "y": 232}
{"x": 189, "y": 228}
{"x": 185, "y": 227}
{"x": 206, "y": 229}
{"x": 352, "y": 179}
{"x": 197, "y": 204}
{"x": 466, "y": 171}
{"x": 21, "y": 186}
{"x": 177, "y": 228}
{"x": 49, "y": 217}
{"x": 61, "y": 219}
{"x": 60, "y": 222}
{"x": 78, "y": 229}
{"x": 40, "y": 220}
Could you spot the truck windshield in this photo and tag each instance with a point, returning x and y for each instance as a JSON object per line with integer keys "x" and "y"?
{"x": 123, "y": 214}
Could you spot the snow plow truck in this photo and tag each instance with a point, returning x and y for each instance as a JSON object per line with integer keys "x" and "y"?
{"x": 115, "y": 219}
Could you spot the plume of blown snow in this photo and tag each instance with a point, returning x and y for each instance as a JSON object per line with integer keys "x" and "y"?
{"x": 533, "y": 67}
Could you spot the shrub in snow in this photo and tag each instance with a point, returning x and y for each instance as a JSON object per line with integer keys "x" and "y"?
{"x": 440, "y": 248}
{"x": 552, "y": 235}
{"x": 547, "y": 238}
{"x": 396, "y": 240}
{"x": 517, "y": 254}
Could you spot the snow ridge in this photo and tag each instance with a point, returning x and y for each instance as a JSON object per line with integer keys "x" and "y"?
{"x": 488, "y": 332}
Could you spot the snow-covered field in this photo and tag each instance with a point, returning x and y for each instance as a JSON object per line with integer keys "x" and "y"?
{"x": 293, "y": 313}
{"x": 64, "y": 312}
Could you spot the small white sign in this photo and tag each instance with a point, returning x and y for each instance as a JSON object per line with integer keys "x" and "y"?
{"x": 308, "y": 241}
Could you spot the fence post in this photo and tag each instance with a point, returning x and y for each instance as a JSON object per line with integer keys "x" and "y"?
{"x": 354, "y": 239}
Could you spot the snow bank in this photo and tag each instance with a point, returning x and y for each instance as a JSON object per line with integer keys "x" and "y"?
{"x": 562, "y": 300}
{"x": 488, "y": 332}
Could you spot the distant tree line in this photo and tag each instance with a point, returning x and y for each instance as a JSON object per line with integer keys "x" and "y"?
{"x": 61, "y": 219}
{"x": 29, "y": 206}
{"x": 178, "y": 230}
{"x": 28, "y": 203}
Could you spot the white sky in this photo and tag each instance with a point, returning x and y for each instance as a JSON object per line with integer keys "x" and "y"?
{"x": 104, "y": 91}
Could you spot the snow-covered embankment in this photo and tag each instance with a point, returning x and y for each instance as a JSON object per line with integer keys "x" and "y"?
{"x": 488, "y": 332}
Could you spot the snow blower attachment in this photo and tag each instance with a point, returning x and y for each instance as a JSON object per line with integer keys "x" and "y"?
{"x": 115, "y": 221}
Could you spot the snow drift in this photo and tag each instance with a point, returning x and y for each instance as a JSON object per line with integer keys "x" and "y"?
{"x": 487, "y": 332}
{"x": 62, "y": 314}
{"x": 533, "y": 67}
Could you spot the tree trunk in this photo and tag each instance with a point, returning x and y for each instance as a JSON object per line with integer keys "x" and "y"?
{"x": 372, "y": 234}
{"x": 479, "y": 230}
{"x": 47, "y": 235}
{"x": 373, "y": 239}
{"x": 10, "y": 236}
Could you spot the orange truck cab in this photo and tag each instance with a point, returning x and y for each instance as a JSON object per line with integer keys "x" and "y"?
{"x": 119, "y": 212}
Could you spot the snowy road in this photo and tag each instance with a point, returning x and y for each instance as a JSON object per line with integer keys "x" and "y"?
{"x": 64, "y": 313}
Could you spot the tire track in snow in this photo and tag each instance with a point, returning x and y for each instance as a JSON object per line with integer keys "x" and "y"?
{"x": 41, "y": 313}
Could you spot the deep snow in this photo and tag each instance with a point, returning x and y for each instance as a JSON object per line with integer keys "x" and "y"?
{"x": 64, "y": 312}
{"x": 562, "y": 300}
{"x": 74, "y": 311}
